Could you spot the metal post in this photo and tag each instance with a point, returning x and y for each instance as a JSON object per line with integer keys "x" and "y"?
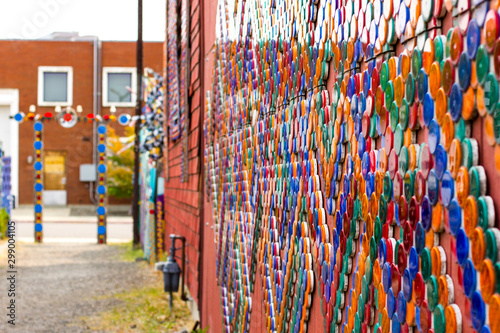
{"x": 135, "y": 202}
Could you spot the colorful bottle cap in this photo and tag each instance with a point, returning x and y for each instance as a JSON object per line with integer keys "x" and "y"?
{"x": 441, "y": 161}
{"x": 482, "y": 64}
{"x": 469, "y": 278}
{"x": 434, "y": 136}
{"x": 454, "y": 217}
{"x": 473, "y": 39}
{"x": 478, "y": 310}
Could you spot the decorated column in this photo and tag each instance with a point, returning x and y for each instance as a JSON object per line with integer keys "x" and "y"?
{"x": 102, "y": 187}
{"x": 38, "y": 181}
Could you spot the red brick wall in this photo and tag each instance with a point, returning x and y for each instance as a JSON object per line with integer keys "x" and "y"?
{"x": 182, "y": 200}
{"x": 19, "y": 70}
{"x": 210, "y": 309}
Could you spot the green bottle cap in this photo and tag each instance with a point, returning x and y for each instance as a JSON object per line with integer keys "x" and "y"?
{"x": 439, "y": 319}
{"x": 491, "y": 93}
{"x": 394, "y": 113}
{"x": 403, "y": 159}
{"x": 364, "y": 290}
{"x": 389, "y": 95}
{"x": 373, "y": 249}
{"x": 384, "y": 75}
{"x": 387, "y": 186}
{"x": 398, "y": 139}
{"x": 410, "y": 89}
{"x": 482, "y": 64}
{"x": 382, "y": 208}
{"x": 460, "y": 130}
{"x": 416, "y": 62}
{"x": 403, "y": 114}
{"x": 377, "y": 230}
{"x": 491, "y": 245}
{"x": 368, "y": 271}
{"x": 426, "y": 264}
{"x": 432, "y": 293}
{"x": 438, "y": 49}
{"x": 373, "y": 127}
{"x": 497, "y": 276}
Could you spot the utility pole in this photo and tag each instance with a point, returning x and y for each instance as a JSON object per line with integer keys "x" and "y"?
{"x": 138, "y": 109}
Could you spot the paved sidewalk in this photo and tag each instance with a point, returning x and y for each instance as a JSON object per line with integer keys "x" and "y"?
{"x": 26, "y": 213}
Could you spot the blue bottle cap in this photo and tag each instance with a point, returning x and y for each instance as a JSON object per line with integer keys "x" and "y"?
{"x": 38, "y": 187}
{"x": 391, "y": 302}
{"x": 382, "y": 253}
{"x": 38, "y": 166}
{"x": 433, "y": 187}
{"x": 434, "y": 136}
{"x": 441, "y": 161}
{"x": 419, "y": 238}
{"x": 473, "y": 39}
{"x": 38, "y": 227}
{"x": 367, "y": 80}
{"x": 464, "y": 71}
{"x": 329, "y": 205}
{"x": 401, "y": 307}
{"x": 426, "y": 213}
{"x": 428, "y": 110}
{"x": 101, "y": 230}
{"x": 447, "y": 188}
{"x": 19, "y": 117}
{"x": 101, "y": 211}
{"x": 413, "y": 264}
{"x": 462, "y": 247}
{"x": 454, "y": 216}
{"x": 386, "y": 274}
{"x": 101, "y": 129}
{"x": 469, "y": 278}
{"x": 455, "y": 102}
{"x": 407, "y": 285}
{"x": 422, "y": 84}
{"x": 38, "y": 126}
{"x": 396, "y": 325}
{"x": 101, "y": 148}
{"x": 38, "y": 145}
{"x": 478, "y": 311}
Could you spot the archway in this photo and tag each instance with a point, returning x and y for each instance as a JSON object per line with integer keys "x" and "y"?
{"x": 67, "y": 118}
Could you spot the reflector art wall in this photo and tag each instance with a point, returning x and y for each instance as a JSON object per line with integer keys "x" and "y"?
{"x": 351, "y": 160}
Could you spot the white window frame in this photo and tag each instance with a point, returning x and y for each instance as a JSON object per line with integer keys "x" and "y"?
{"x": 55, "y": 69}
{"x": 118, "y": 70}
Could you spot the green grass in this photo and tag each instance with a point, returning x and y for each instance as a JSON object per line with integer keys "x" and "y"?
{"x": 144, "y": 309}
{"x": 129, "y": 253}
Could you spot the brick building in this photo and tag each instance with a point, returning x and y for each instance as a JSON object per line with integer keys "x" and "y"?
{"x": 62, "y": 70}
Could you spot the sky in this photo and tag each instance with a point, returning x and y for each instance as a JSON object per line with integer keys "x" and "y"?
{"x": 107, "y": 19}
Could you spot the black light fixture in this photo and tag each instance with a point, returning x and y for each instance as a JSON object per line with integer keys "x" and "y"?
{"x": 172, "y": 271}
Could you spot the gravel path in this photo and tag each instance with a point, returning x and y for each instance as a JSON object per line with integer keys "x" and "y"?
{"x": 58, "y": 283}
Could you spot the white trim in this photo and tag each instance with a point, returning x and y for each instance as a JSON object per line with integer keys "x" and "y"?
{"x": 124, "y": 70}
{"x": 55, "y": 69}
{"x": 11, "y": 97}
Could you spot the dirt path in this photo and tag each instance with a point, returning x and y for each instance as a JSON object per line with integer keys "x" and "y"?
{"x": 59, "y": 283}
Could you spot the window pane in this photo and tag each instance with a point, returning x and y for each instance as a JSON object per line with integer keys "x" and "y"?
{"x": 55, "y": 87}
{"x": 117, "y": 87}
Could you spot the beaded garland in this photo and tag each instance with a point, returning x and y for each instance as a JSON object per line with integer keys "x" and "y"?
{"x": 328, "y": 192}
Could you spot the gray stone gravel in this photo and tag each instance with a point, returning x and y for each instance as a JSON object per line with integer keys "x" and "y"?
{"x": 59, "y": 283}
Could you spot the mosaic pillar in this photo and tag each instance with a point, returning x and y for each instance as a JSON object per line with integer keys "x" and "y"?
{"x": 102, "y": 187}
{"x": 38, "y": 181}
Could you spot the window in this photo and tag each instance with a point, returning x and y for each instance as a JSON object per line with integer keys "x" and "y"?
{"x": 55, "y": 86}
{"x": 117, "y": 84}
